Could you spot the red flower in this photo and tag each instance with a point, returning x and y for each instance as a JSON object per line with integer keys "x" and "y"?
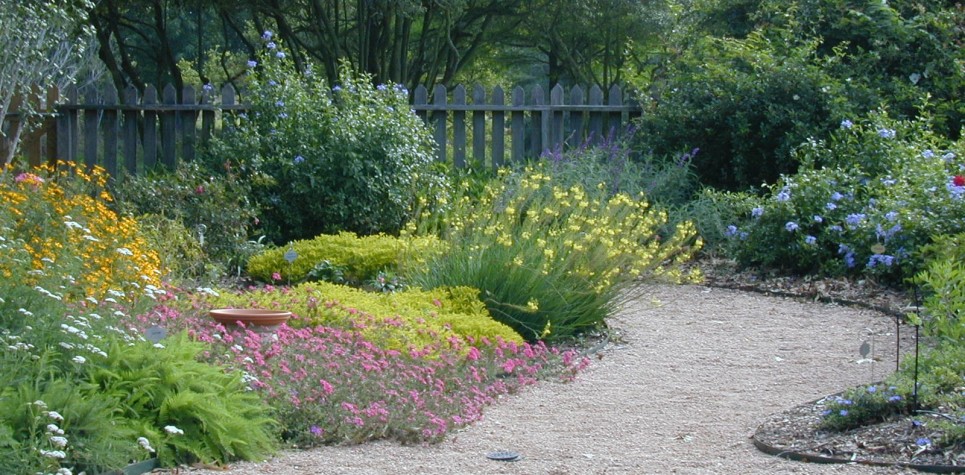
{"x": 199, "y": 190}
{"x": 959, "y": 180}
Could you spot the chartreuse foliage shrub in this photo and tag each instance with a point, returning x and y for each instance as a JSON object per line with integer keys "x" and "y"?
{"x": 73, "y": 271}
{"x": 325, "y": 158}
{"x": 865, "y": 203}
{"x": 351, "y": 258}
{"x": 942, "y": 361}
{"x": 549, "y": 261}
{"x": 412, "y": 318}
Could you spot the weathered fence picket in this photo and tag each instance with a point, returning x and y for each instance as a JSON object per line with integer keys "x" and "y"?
{"x": 136, "y": 132}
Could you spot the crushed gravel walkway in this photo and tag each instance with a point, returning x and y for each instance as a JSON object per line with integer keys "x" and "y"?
{"x": 682, "y": 391}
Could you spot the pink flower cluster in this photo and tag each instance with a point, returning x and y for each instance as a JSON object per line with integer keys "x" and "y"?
{"x": 331, "y": 385}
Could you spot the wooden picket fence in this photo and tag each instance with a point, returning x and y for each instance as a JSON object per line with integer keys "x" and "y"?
{"x": 135, "y": 132}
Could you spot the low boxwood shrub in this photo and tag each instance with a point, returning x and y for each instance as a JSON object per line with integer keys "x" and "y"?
{"x": 343, "y": 257}
{"x": 401, "y": 321}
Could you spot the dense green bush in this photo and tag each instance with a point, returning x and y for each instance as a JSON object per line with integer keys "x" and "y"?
{"x": 200, "y": 217}
{"x": 883, "y": 190}
{"x": 745, "y": 104}
{"x": 321, "y": 160}
{"x": 748, "y": 98}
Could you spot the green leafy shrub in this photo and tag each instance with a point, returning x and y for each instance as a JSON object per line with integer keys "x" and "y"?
{"x": 320, "y": 160}
{"x": 411, "y": 318}
{"x": 195, "y": 209}
{"x": 187, "y": 410}
{"x": 342, "y": 257}
{"x": 551, "y": 261}
{"x": 862, "y": 406}
{"x": 871, "y": 197}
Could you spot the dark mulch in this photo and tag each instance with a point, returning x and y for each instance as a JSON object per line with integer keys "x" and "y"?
{"x": 797, "y": 430}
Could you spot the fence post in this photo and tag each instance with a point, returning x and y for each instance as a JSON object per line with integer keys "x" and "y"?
{"x": 539, "y": 120}
{"x": 207, "y": 115}
{"x": 556, "y": 117}
{"x": 189, "y": 124}
{"x": 576, "y": 116}
{"x": 109, "y": 130}
{"x": 67, "y": 128}
{"x": 615, "y": 120}
{"x": 439, "y": 120}
{"x": 150, "y": 127}
{"x": 90, "y": 132}
{"x": 479, "y": 125}
{"x": 499, "y": 128}
{"x": 168, "y": 128}
{"x": 459, "y": 127}
{"x": 129, "y": 126}
{"x": 596, "y": 117}
{"x": 518, "y": 125}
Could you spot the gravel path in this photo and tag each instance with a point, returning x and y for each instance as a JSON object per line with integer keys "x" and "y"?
{"x": 696, "y": 371}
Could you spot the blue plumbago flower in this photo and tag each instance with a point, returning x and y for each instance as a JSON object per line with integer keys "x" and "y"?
{"x": 826, "y": 412}
{"x": 886, "y": 133}
{"x": 888, "y": 181}
{"x": 810, "y": 240}
{"x": 846, "y": 402}
{"x": 272, "y": 82}
{"x": 336, "y": 88}
{"x": 849, "y": 259}
{"x": 854, "y": 219}
{"x": 280, "y": 55}
{"x": 731, "y": 231}
{"x": 928, "y": 154}
{"x": 207, "y": 87}
{"x": 381, "y": 87}
{"x": 817, "y": 218}
{"x": 298, "y": 159}
{"x": 923, "y": 441}
{"x": 894, "y": 398}
{"x": 843, "y": 248}
{"x": 887, "y": 234}
{"x": 846, "y": 124}
{"x": 891, "y": 215}
{"x": 843, "y": 412}
{"x": 252, "y": 63}
{"x": 271, "y": 45}
{"x": 915, "y": 423}
{"x": 876, "y": 259}
{"x": 835, "y": 227}
{"x": 791, "y": 226}
{"x": 948, "y": 157}
{"x": 743, "y": 235}
{"x": 872, "y": 389}
{"x": 267, "y": 35}
{"x": 784, "y": 195}
{"x": 280, "y": 104}
{"x": 836, "y": 196}
{"x": 830, "y": 206}
{"x": 283, "y": 116}
{"x": 757, "y": 212}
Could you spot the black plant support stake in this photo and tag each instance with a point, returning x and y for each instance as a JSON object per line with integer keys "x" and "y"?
{"x": 914, "y": 394}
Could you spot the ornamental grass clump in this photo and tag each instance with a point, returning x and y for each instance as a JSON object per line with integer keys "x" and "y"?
{"x": 329, "y": 385}
{"x": 551, "y": 262}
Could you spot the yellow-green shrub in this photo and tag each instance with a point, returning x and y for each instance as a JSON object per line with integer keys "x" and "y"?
{"x": 360, "y": 258}
{"x": 410, "y": 319}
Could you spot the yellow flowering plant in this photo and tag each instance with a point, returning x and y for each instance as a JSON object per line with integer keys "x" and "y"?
{"x": 61, "y": 215}
{"x": 552, "y": 261}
